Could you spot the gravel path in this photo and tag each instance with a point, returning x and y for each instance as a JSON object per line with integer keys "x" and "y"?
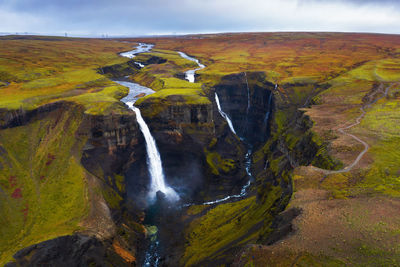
{"x": 342, "y": 130}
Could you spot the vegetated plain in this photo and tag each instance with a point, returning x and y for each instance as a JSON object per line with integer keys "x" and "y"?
{"x": 347, "y": 218}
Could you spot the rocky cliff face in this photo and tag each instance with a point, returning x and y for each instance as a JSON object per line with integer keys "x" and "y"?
{"x": 106, "y": 146}
{"x": 202, "y": 159}
{"x": 215, "y": 234}
{"x": 200, "y": 154}
{"x": 245, "y": 97}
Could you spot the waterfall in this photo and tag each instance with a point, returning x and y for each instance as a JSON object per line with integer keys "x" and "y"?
{"x": 223, "y": 114}
{"x": 269, "y": 108}
{"x": 154, "y": 162}
{"x": 248, "y": 94}
{"x": 139, "y": 64}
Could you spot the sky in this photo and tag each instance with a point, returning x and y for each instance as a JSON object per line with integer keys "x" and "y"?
{"x": 158, "y": 17}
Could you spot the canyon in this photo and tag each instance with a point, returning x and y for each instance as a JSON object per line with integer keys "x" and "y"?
{"x": 180, "y": 153}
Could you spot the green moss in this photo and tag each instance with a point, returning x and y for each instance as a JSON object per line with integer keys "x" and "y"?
{"x": 179, "y": 83}
{"x": 227, "y": 224}
{"x": 120, "y": 182}
{"x": 322, "y": 158}
{"x": 188, "y": 96}
{"x": 42, "y": 162}
{"x": 104, "y": 102}
{"x": 274, "y": 164}
{"x": 212, "y": 143}
{"x": 173, "y": 58}
{"x": 292, "y": 139}
{"x": 44, "y": 71}
{"x": 218, "y": 164}
{"x": 149, "y": 80}
{"x": 196, "y": 209}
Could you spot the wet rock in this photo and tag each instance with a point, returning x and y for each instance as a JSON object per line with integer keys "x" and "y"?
{"x": 140, "y": 95}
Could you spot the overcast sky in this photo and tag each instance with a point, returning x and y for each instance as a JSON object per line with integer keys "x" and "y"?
{"x": 147, "y": 17}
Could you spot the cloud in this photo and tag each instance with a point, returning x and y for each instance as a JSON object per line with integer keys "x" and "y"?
{"x": 137, "y": 17}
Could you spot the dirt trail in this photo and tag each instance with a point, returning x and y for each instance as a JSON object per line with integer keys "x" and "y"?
{"x": 358, "y": 121}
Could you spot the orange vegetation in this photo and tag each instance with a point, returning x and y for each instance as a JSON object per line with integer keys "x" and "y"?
{"x": 284, "y": 55}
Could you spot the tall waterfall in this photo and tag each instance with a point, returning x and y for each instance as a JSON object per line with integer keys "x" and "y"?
{"x": 248, "y": 94}
{"x": 154, "y": 162}
{"x": 223, "y": 114}
{"x": 269, "y": 109}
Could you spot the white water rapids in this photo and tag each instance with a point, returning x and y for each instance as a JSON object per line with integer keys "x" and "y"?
{"x": 189, "y": 75}
{"x": 141, "y": 48}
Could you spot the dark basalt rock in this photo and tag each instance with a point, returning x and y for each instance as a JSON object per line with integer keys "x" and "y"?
{"x": 19, "y": 117}
{"x": 70, "y": 250}
{"x": 119, "y": 70}
{"x": 282, "y": 225}
{"x": 182, "y": 133}
{"x": 154, "y": 60}
{"x": 114, "y": 141}
{"x": 249, "y": 120}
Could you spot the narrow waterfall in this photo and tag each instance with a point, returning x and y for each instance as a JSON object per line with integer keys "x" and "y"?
{"x": 248, "y": 94}
{"x": 154, "y": 162}
{"x": 223, "y": 114}
{"x": 269, "y": 109}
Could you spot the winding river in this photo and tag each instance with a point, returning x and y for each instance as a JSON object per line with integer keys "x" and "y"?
{"x": 190, "y": 74}
{"x": 154, "y": 162}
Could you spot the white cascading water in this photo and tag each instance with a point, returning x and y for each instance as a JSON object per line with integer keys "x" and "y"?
{"x": 269, "y": 109}
{"x": 141, "y": 48}
{"x": 139, "y": 64}
{"x": 223, "y": 114}
{"x": 154, "y": 162}
{"x": 248, "y": 94}
{"x": 189, "y": 75}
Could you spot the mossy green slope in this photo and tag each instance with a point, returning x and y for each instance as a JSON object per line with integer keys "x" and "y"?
{"x": 35, "y": 71}
{"x": 43, "y": 189}
{"x": 211, "y": 236}
{"x": 43, "y": 186}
